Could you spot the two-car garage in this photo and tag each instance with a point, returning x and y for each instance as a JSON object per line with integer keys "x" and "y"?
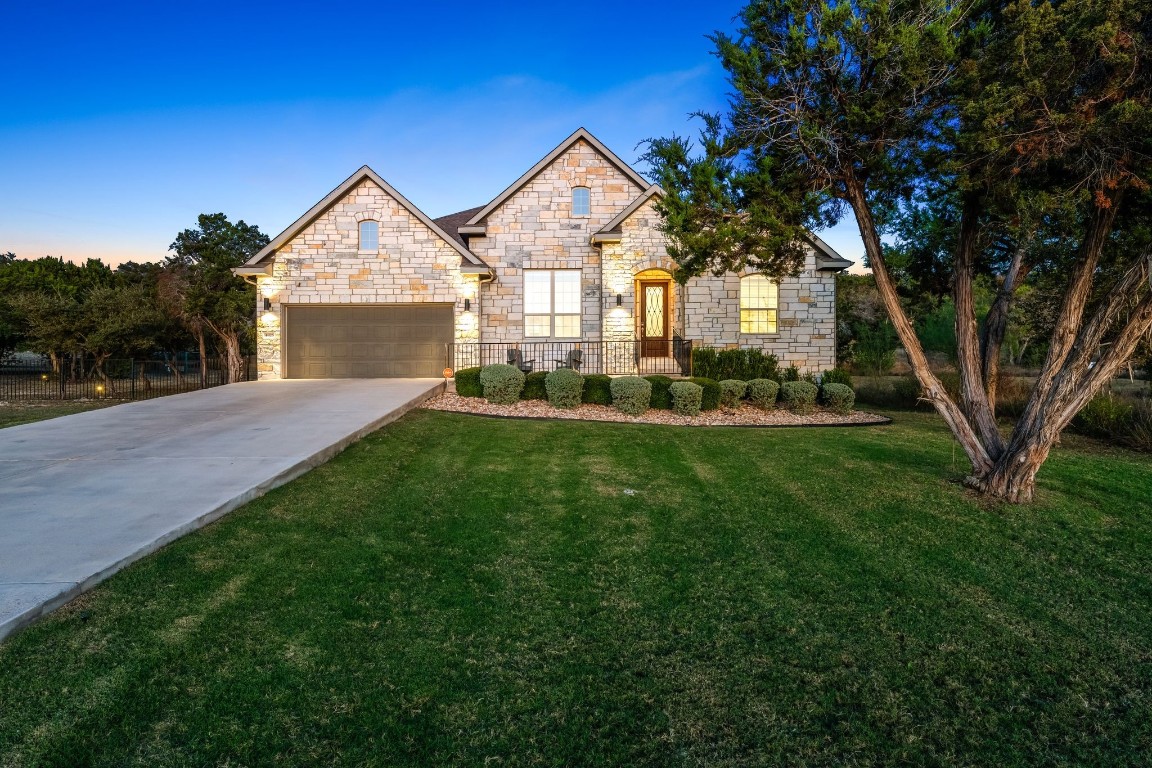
{"x": 366, "y": 340}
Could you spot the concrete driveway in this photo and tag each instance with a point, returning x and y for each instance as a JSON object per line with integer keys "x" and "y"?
{"x": 82, "y": 496}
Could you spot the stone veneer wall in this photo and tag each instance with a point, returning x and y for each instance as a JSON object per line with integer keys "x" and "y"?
{"x": 322, "y": 265}
{"x": 534, "y": 229}
{"x": 806, "y": 317}
{"x": 641, "y": 247}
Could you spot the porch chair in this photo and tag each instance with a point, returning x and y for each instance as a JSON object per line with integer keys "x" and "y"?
{"x": 572, "y": 360}
{"x": 516, "y": 358}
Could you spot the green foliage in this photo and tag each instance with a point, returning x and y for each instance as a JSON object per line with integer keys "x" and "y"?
{"x": 791, "y": 373}
{"x": 737, "y": 364}
{"x": 597, "y": 389}
{"x": 468, "y": 382}
{"x": 534, "y": 388}
{"x": 1105, "y": 416}
{"x": 875, "y": 349}
{"x": 838, "y": 397}
{"x": 501, "y": 383}
{"x": 799, "y": 396}
{"x": 903, "y": 392}
{"x": 631, "y": 394}
{"x": 710, "y": 400}
{"x": 564, "y": 386}
{"x": 687, "y": 397}
{"x": 661, "y": 397}
{"x": 762, "y": 393}
{"x": 836, "y": 376}
{"x": 732, "y": 391}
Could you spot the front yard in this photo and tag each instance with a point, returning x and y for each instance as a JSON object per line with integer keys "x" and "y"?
{"x": 462, "y": 590}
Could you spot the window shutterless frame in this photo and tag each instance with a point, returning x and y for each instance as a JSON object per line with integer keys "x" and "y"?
{"x": 552, "y": 299}
{"x": 581, "y": 201}
{"x": 759, "y": 300}
{"x": 369, "y": 236}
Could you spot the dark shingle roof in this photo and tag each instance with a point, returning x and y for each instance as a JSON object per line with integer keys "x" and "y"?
{"x": 454, "y": 221}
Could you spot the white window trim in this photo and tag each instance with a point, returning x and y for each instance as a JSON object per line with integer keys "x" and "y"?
{"x": 572, "y": 202}
{"x": 552, "y": 306}
{"x": 773, "y": 313}
{"x": 360, "y": 236}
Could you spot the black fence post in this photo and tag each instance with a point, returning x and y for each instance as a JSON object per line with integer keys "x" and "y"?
{"x": 132, "y": 375}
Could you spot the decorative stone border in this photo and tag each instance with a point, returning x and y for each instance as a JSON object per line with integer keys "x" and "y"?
{"x": 744, "y": 416}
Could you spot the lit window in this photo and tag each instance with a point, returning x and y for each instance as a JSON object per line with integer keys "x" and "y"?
{"x": 759, "y": 297}
{"x": 552, "y": 303}
{"x": 369, "y": 236}
{"x": 581, "y": 201}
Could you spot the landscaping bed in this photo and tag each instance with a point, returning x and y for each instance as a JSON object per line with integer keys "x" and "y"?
{"x": 742, "y": 416}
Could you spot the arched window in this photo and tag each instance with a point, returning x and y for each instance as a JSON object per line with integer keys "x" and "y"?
{"x": 759, "y": 298}
{"x": 369, "y": 235}
{"x": 581, "y": 201}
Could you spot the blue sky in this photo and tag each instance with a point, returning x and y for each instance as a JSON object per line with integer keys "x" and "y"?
{"x": 121, "y": 122}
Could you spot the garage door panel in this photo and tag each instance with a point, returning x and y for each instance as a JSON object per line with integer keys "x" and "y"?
{"x": 374, "y": 341}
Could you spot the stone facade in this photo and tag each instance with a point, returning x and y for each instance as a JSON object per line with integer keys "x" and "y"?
{"x": 534, "y": 227}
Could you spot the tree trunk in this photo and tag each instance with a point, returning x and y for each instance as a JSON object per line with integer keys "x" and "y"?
{"x": 203, "y": 357}
{"x": 234, "y": 366}
{"x": 1013, "y": 476}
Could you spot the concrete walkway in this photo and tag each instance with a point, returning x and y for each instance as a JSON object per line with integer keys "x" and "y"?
{"x": 82, "y": 496}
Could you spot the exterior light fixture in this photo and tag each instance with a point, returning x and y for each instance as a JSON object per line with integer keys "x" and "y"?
{"x": 467, "y": 305}
{"x": 267, "y": 304}
{"x": 619, "y": 300}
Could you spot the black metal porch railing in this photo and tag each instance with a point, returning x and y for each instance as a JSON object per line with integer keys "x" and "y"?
{"x": 32, "y": 378}
{"x": 615, "y": 358}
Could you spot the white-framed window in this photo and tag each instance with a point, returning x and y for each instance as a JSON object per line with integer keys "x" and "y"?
{"x": 759, "y": 298}
{"x": 581, "y": 201}
{"x": 369, "y": 235}
{"x": 552, "y": 303}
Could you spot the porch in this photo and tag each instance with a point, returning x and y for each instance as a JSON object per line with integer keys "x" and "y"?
{"x": 614, "y": 358}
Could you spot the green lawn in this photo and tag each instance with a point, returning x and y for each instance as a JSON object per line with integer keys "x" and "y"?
{"x": 459, "y": 590}
{"x": 12, "y": 414}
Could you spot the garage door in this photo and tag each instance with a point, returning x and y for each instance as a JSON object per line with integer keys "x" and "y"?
{"x": 363, "y": 342}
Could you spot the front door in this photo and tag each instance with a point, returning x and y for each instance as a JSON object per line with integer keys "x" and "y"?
{"x": 655, "y": 333}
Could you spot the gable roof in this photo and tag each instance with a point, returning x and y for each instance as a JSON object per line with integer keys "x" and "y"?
{"x": 469, "y": 263}
{"x": 453, "y": 221}
{"x": 580, "y": 134}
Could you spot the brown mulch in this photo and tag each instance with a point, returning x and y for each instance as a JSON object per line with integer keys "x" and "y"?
{"x": 744, "y": 416}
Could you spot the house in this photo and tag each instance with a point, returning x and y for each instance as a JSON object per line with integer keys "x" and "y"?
{"x": 569, "y": 256}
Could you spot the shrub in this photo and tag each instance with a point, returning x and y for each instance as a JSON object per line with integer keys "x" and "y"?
{"x": 710, "y": 400}
{"x": 839, "y": 397}
{"x": 534, "y": 386}
{"x": 732, "y": 391}
{"x": 468, "y": 382}
{"x": 875, "y": 348}
{"x": 791, "y": 373}
{"x": 564, "y": 386}
{"x": 735, "y": 364}
{"x": 799, "y": 396}
{"x": 686, "y": 397}
{"x": 762, "y": 392}
{"x": 837, "y": 376}
{"x": 630, "y": 394}
{"x": 502, "y": 383}
{"x": 904, "y": 392}
{"x": 1104, "y": 416}
{"x": 597, "y": 389}
{"x": 661, "y": 397}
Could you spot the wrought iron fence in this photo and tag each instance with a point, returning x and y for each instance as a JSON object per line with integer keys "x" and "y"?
{"x": 25, "y": 377}
{"x": 615, "y": 358}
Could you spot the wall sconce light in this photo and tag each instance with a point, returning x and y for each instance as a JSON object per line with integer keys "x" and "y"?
{"x": 619, "y": 300}
{"x": 267, "y": 304}
{"x": 467, "y": 305}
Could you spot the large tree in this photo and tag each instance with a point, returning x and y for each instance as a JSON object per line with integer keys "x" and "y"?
{"x": 201, "y": 288}
{"x": 1024, "y": 126}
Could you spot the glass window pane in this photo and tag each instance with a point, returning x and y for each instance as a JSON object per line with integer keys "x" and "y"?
{"x": 369, "y": 236}
{"x": 581, "y": 201}
{"x": 567, "y": 326}
{"x": 770, "y": 321}
{"x": 753, "y": 321}
{"x": 536, "y": 325}
{"x": 757, "y": 292}
{"x": 537, "y": 291}
{"x": 567, "y": 291}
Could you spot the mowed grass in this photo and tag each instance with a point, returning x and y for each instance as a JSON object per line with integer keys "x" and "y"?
{"x": 12, "y": 414}
{"x": 461, "y": 590}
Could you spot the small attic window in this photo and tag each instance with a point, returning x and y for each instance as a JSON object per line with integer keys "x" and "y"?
{"x": 581, "y": 201}
{"x": 369, "y": 236}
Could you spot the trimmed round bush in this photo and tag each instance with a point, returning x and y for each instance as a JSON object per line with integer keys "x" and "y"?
{"x": 799, "y": 396}
{"x": 686, "y": 397}
{"x": 502, "y": 383}
{"x": 710, "y": 400}
{"x": 661, "y": 397}
{"x": 732, "y": 391}
{"x": 534, "y": 386}
{"x": 839, "y": 398}
{"x": 630, "y": 394}
{"x": 762, "y": 393}
{"x": 564, "y": 386}
{"x": 468, "y": 382}
{"x": 597, "y": 389}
